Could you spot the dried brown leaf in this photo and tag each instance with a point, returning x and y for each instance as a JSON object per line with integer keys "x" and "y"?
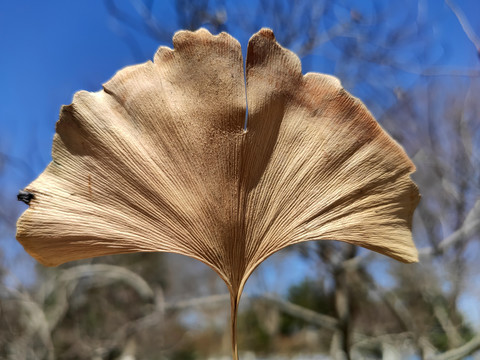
{"x": 159, "y": 161}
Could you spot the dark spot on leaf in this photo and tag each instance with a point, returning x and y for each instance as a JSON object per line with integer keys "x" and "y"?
{"x": 25, "y": 196}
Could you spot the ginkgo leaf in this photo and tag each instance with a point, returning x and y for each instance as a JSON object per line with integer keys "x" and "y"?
{"x": 159, "y": 160}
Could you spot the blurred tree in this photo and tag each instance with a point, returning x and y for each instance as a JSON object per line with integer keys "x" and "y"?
{"x": 387, "y": 54}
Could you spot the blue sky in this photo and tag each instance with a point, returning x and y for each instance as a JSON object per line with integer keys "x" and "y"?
{"x": 51, "y": 49}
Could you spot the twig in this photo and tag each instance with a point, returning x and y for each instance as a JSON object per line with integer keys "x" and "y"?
{"x": 469, "y": 226}
{"x": 302, "y": 313}
{"x": 460, "y": 352}
{"x": 373, "y": 341}
{"x": 462, "y": 19}
{"x": 35, "y": 322}
{"x": 111, "y": 273}
{"x": 65, "y": 284}
{"x": 207, "y": 300}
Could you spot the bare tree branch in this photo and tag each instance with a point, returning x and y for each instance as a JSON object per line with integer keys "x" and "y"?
{"x": 35, "y": 321}
{"x": 462, "y": 19}
{"x": 300, "y": 312}
{"x": 103, "y": 274}
{"x": 460, "y": 353}
{"x": 109, "y": 273}
{"x": 453, "y": 336}
{"x": 468, "y": 228}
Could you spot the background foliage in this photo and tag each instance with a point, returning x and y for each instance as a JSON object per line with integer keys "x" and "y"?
{"x": 416, "y": 66}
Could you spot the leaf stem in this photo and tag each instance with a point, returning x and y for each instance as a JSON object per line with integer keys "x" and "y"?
{"x": 233, "y": 324}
